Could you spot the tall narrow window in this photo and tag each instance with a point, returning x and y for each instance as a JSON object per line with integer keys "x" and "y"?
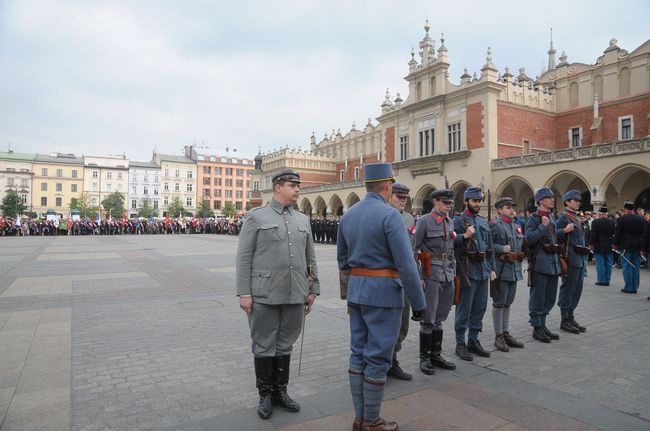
{"x": 403, "y": 147}
{"x": 576, "y": 140}
{"x": 453, "y": 136}
{"x": 625, "y": 128}
{"x": 341, "y": 175}
{"x": 426, "y": 142}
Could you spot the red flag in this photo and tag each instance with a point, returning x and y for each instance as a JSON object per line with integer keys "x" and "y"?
{"x": 167, "y": 222}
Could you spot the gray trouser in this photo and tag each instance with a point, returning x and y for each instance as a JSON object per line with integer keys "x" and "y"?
{"x": 440, "y": 297}
{"x": 505, "y": 293}
{"x": 275, "y": 328}
{"x": 404, "y": 326}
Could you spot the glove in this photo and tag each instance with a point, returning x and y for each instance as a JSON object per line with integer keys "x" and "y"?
{"x": 417, "y": 315}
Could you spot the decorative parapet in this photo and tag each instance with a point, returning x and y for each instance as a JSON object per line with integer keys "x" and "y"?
{"x": 332, "y": 186}
{"x": 578, "y": 153}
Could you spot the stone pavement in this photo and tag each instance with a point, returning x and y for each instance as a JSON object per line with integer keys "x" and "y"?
{"x": 144, "y": 333}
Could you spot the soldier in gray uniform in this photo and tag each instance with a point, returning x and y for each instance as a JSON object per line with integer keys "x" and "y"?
{"x": 398, "y": 201}
{"x": 508, "y": 242}
{"x": 277, "y": 283}
{"x": 434, "y": 238}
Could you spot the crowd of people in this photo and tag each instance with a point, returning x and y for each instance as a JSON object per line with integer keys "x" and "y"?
{"x": 137, "y": 226}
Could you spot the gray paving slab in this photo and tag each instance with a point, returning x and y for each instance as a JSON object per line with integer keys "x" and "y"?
{"x": 152, "y": 338}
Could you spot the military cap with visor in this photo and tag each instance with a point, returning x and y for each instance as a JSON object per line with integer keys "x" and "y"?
{"x": 504, "y": 201}
{"x": 286, "y": 175}
{"x": 444, "y": 195}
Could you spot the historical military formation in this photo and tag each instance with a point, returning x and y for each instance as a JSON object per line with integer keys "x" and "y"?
{"x": 394, "y": 268}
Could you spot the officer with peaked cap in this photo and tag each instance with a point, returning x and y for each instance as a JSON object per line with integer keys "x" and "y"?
{"x": 628, "y": 240}
{"x": 277, "y": 283}
{"x": 508, "y": 241}
{"x": 570, "y": 233}
{"x": 475, "y": 245}
{"x": 398, "y": 200}
{"x": 600, "y": 242}
{"x": 373, "y": 248}
{"x": 543, "y": 264}
{"x": 434, "y": 238}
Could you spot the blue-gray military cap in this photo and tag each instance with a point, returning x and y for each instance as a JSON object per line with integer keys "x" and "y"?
{"x": 400, "y": 189}
{"x": 504, "y": 201}
{"x": 571, "y": 194}
{"x": 542, "y": 193}
{"x": 445, "y": 195}
{"x": 287, "y": 175}
{"x": 378, "y": 172}
{"x": 474, "y": 193}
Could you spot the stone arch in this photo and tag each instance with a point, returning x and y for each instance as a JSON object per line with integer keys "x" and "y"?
{"x": 518, "y": 189}
{"x": 626, "y": 182}
{"x": 320, "y": 206}
{"x": 563, "y": 181}
{"x": 422, "y": 201}
{"x": 624, "y": 82}
{"x": 352, "y": 199}
{"x": 306, "y": 207}
{"x": 459, "y": 188}
{"x": 336, "y": 205}
{"x": 574, "y": 97}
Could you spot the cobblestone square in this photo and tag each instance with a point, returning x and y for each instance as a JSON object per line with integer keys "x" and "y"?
{"x": 145, "y": 333}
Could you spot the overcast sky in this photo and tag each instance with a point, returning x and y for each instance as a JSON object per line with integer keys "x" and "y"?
{"x": 107, "y": 77}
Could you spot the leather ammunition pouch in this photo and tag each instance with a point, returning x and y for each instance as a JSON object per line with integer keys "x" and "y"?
{"x": 476, "y": 256}
{"x": 579, "y": 249}
{"x": 552, "y": 248}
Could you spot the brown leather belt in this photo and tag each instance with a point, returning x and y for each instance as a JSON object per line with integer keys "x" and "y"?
{"x": 370, "y": 272}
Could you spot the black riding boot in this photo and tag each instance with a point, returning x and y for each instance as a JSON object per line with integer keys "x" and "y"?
{"x": 426, "y": 341}
{"x": 280, "y": 382}
{"x": 436, "y": 349}
{"x": 264, "y": 383}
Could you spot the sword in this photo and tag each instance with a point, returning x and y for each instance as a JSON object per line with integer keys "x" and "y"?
{"x": 623, "y": 256}
{"x": 302, "y": 341}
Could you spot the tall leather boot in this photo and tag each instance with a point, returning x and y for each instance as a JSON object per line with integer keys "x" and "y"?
{"x": 264, "y": 383}
{"x": 436, "y": 350}
{"x": 426, "y": 343}
{"x": 280, "y": 382}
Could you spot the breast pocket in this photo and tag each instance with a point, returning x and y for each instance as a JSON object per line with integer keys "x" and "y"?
{"x": 268, "y": 232}
{"x": 435, "y": 238}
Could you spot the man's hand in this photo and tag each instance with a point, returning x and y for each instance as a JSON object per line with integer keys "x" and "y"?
{"x": 246, "y": 303}
{"x": 506, "y": 248}
{"x": 493, "y": 275}
{"x": 309, "y": 302}
{"x": 469, "y": 232}
{"x": 569, "y": 228}
{"x": 417, "y": 316}
{"x": 545, "y": 220}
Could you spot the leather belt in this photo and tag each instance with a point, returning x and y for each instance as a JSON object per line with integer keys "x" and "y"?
{"x": 370, "y": 272}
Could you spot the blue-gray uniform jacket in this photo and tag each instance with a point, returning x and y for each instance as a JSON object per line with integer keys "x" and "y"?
{"x": 434, "y": 233}
{"x": 481, "y": 241}
{"x": 577, "y": 237}
{"x": 372, "y": 235}
{"x": 504, "y": 233}
{"x": 545, "y": 263}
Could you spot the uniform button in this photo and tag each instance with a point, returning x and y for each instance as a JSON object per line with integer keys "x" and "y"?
{"x": 286, "y": 221}
{"x": 290, "y": 244}
{"x": 291, "y": 267}
{"x": 292, "y": 255}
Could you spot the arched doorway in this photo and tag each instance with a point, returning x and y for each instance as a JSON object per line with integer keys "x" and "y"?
{"x": 459, "y": 190}
{"x": 321, "y": 207}
{"x": 643, "y": 200}
{"x": 564, "y": 181}
{"x": 629, "y": 182}
{"x": 422, "y": 201}
{"x": 336, "y": 206}
{"x": 306, "y": 207}
{"x": 520, "y": 191}
{"x": 352, "y": 199}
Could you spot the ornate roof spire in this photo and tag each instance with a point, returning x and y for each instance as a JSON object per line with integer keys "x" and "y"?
{"x": 427, "y": 27}
{"x": 551, "y": 54}
{"x": 488, "y": 61}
